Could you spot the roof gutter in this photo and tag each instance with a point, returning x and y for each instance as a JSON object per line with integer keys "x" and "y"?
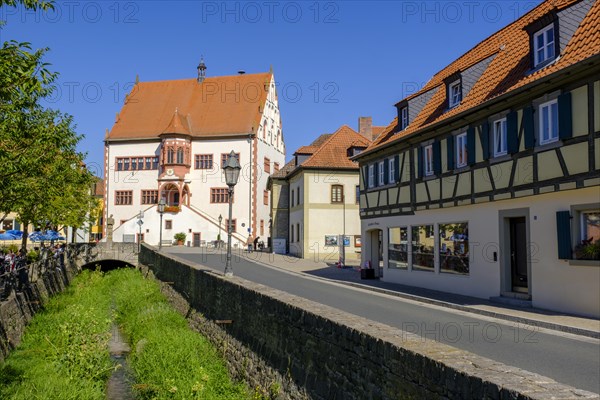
{"x": 595, "y": 59}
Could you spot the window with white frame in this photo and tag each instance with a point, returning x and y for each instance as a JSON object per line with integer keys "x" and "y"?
{"x": 371, "y": 182}
{"x": 499, "y": 137}
{"x": 548, "y": 122}
{"x": 392, "y": 170}
{"x": 544, "y": 45}
{"x": 403, "y": 117}
{"x": 428, "y": 160}
{"x": 586, "y": 231}
{"x": 461, "y": 150}
{"x": 454, "y": 94}
{"x": 381, "y": 177}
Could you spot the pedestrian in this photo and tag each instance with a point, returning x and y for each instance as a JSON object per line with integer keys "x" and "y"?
{"x": 249, "y": 243}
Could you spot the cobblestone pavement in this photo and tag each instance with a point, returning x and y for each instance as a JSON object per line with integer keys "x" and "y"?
{"x": 350, "y": 275}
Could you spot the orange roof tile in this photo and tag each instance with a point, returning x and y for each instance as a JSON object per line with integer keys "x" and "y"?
{"x": 225, "y": 105}
{"x": 178, "y": 124}
{"x": 506, "y": 72}
{"x": 333, "y": 152}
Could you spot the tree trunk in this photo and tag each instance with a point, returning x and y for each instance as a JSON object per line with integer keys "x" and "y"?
{"x": 24, "y": 239}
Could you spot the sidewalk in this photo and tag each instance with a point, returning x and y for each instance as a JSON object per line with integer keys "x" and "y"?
{"x": 350, "y": 275}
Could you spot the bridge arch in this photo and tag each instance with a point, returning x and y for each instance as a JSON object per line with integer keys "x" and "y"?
{"x": 107, "y": 265}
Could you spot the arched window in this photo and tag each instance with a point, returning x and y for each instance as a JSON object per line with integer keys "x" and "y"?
{"x": 170, "y": 155}
{"x": 180, "y": 156}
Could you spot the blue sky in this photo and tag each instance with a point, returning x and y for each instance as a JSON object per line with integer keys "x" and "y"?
{"x": 333, "y": 60}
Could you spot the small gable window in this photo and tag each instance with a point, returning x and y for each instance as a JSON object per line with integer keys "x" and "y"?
{"x": 403, "y": 118}
{"x": 428, "y": 160}
{"x": 544, "y": 46}
{"x": 454, "y": 94}
{"x": 499, "y": 137}
{"x": 548, "y": 121}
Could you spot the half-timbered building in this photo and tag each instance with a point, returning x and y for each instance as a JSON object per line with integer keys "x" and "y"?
{"x": 487, "y": 183}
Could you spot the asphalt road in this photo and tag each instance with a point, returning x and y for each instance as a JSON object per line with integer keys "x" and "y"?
{"x": 568, "y": 359}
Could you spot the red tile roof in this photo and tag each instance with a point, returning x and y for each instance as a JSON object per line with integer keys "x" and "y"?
{"x": 506, "y": 72}
{"x": 219, "y": 106}
{"x": 333, "y": 153}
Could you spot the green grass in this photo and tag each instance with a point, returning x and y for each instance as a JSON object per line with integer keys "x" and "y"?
{"x": 169, "y": 360}
{"x": 64, "y": 352}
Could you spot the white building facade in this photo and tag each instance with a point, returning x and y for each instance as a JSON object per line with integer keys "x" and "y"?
{"x": 169, "y": 141}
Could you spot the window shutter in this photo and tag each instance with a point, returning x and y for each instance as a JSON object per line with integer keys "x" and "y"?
{"x": 450, "y": 152}
{"x": 419, "y": 162}
{"x": 563, "y": 230}
{"x": 365, "y": 174}
{"x": 397, "y": 168}
{"x": 376, "y": 180}
{"x": 512, "y": 132}
{"x": 437, "y": 157}
{"x": 386, "y": 171}
{"x": 484, "y": 137}
{"x": 528, "y": 128}
{"x": 471, "y": 146}
{"x": 565, "y": 117}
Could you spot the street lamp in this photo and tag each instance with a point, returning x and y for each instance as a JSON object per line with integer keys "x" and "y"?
{"x": 140, "y": 223}
{"x": 219, "y": 237}
{"x": 231, "y": 169}
{"x": 161, "y": 211}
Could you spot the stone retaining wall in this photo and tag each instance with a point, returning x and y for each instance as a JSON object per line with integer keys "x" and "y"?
{"x": 296, "y": 343}
{"x": 19, "y": 308}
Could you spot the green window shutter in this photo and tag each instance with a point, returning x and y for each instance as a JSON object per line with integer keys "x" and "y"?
{"x": 484, "y": 137}
{"x": 364, "y": 176}
{"x": 512, "y": 132}
{"x": 437, "y": 157}
{"x": 528, "y": 128}
{"x": 563, "y": 230}
{"x": 450, "y": 152}
{"x": 397, "y": 168}
{"x": 471, "y": 146}
{"x": 386, "y": 169}
{"x": 565, "y": 117}
{"x": 419, "y": 162}
{"x": 376, "y": 183}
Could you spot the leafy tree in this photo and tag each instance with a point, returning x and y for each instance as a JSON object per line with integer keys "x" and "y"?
{"x": 43, "y": 178}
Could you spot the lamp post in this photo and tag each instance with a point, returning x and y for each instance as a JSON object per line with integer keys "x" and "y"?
{"x": 161, "y": 211}
{"x": 140, "y": 223}
{"x": 231, "y": 169}
{"x": 220, "y": 220}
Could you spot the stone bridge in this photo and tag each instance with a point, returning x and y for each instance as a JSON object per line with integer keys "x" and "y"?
{"x": 105, "y": 255}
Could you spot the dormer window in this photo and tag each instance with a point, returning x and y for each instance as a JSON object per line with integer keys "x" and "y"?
{"x": 454, "y": 94}
{"x": 544, "y": 46}
{"x": 403, "y": 117}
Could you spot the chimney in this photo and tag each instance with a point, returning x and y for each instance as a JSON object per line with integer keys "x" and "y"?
{"x": 365, "y": 127}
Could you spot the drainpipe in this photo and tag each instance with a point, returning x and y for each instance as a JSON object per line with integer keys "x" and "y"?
{"x": 250, "y": 189}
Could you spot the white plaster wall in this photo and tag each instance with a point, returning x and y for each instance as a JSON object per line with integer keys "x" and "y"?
{"x": 554, "y": 283}
{"x": 135, "y": 181}
{"x": 270, "y": 145}
{"x": 297, "y": 215}
{"x": 325, "y": 218}
{"x": 185, "y": 221}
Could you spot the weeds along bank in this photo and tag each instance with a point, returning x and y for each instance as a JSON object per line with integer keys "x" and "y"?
{"x": 64, "y": 352}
